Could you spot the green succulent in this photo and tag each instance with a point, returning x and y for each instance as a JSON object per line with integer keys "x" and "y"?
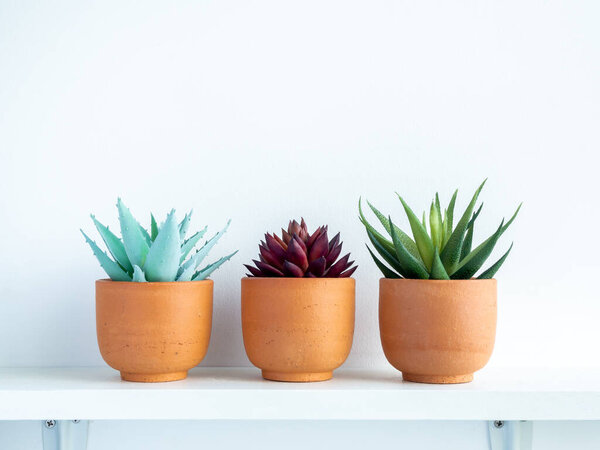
{"x": 442, "y": 253}
{"x": 158, "y": 255}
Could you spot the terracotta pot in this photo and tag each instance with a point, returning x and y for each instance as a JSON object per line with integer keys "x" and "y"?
{"x": 297, "y": 329}
{"x": 153, "y": 332}
{"x": 437, "y": 331}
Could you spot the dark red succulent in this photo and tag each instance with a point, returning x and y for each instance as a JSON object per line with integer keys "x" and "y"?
{"x": 300, "y": 254}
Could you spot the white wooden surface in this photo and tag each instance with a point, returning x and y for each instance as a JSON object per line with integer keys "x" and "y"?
{"x": 240, "y": 393}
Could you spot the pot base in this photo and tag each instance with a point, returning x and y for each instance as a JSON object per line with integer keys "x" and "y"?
{"x": 153, "y": 377}
{"x": 437, "y": 379}
{"x": 297, "y": 377}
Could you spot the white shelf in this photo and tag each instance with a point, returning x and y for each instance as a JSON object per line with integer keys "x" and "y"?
{"x": 240, "y": 393}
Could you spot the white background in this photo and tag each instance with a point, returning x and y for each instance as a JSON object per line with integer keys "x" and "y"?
{"x": 266, "y": 110}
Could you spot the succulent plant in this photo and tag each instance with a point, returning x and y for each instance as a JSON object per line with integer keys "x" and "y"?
{"x": 300, "y": 254}
{"x": 443, "y": 253}
{"x": 158, "y": 255}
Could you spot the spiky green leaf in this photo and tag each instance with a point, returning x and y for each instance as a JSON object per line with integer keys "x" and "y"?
{"x": 153, "y": 227}
{"x": 386, "y": 271}
{"x": 162, "y": 261}
{"x": 435, "y": 224}
{"x": 468, "y": 241}
{"x": 450, "y": 255}
{"x": 422, "y": 239}
{"x": 474, "y": 260}
{"x": 451, "y": 213}
{"x": 112, "y": 269}
{"x": 404, "y": 238}
{"x": 438, "y": 272}
{"x": 134, "y": 242}
{"x": 491, "y": 271}
{"x": 114, "y": 245}
{"x": 409, "y": 265}
{"x": 389, "y": 257}
{"x": 370, "y": 229}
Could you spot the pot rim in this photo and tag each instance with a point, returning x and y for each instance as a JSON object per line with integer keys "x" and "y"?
{"x": 153, "y": 283}
{"x": 419, "y": 280}
{"x": 297, "y": 279}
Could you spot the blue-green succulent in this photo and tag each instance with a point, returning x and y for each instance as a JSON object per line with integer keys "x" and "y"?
{"x": 160, "y": 254}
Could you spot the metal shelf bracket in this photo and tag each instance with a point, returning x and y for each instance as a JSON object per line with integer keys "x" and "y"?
{"x": 64, "y": 434}
{"x": 510, "y": 435}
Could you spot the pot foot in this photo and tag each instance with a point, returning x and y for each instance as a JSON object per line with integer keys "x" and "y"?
{"x": 153, "y": 377}
{"x": 297, "y": 377}
{"x": 437, "y": 379}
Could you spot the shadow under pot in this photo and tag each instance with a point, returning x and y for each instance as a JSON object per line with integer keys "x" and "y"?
{"x": 297, "y": 329}
{"x": 437, "y": 331}
{"x": 153, "y": 332}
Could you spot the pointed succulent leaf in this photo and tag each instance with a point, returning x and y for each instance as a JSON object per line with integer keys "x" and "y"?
{"x": 333, "y": 254}
{"x": 296, "y": 255}
{"x": 335, "y": 270}
{"x": 301, "y": 243}
{"x": 190, "y": 243}
{"x": 409, "y": 265}
{"x": 438, "y": 272}
{"x": 138, "y": 275}
{"x": 162, "y": 261}
{"x": 348, "y": 273}
{"x": 201, "y": 254}
{"x": 316, "y": 235}
{"x": 450, "y": 255}
{"x": 435, "y": 224}
{"x": 134, "y": 242}
{"x": 320, "y": 248}
{"x": 153, "y": 227}
{"x": 253, "y": 270}
{"x": 292, "y": 270}
{"x": 491, "y": 271}
{"x": 269, "y": 257}
{"x": 146, "y": 236}
{"x": 276, "y": 247}
{"x": 451, "y": 205}
{"x": 404, "y": 238}
{"x": 504, "y": 228}
{"x": 112, "y": 269}
{"x": 267, "y": 270}
{"x": 114, "y": 245}
{"x": 205, "y": 272}
{"x": 468, "y": 242}
{"x": 389, "y": 257}
{"x": 386, "y": 271}
{"x": 185, "y": 224}
{"x": 474, "y": 260}
{"x": 422, "y": 239}
{"x": 388, "y": 245}
{"x": 317, "y": 267}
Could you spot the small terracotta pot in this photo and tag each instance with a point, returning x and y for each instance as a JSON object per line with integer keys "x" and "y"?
{"x": 298, "y": 329}
{"x": 153, "y": 332}
{"x": 437, "y": 331}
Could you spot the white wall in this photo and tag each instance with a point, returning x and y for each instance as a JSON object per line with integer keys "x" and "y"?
{"x": 266, "y": 110}
{"x": 263, "y": 111}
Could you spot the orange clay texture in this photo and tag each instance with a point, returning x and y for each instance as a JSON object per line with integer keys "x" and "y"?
{"x": 153, "y": 332}
{"x": 437, "y": 331}
{"x": 298, "y": 329}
